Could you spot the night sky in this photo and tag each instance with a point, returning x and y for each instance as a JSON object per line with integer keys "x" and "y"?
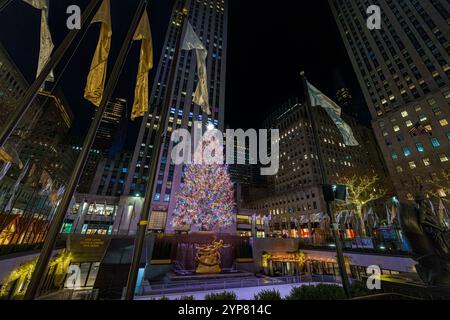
{"x": 268, "y": 45}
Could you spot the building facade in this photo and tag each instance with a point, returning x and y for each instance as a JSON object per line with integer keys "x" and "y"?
{"x": 404, "y": 71}
{"x": 111, "y": 175}
{"x": 209, "y": 20}
{"x": 13, "y": 86}
{"x": 296, "y": 195}
{"x": 111, "y": 133}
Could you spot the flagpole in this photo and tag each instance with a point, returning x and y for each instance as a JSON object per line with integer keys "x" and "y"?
{"x": 146, "y": 208}
{"x": 46, "y": 253}
{"x": 33, "y": 90}
{"x": 324, "y": 178}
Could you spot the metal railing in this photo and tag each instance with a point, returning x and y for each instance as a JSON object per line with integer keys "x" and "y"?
{"x": 69, "y": 294}
{"x": 176, "y": 287}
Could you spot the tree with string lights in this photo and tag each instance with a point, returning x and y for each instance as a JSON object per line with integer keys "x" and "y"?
{"x": 206, "y": 199}
{"x": 362, "y": 189}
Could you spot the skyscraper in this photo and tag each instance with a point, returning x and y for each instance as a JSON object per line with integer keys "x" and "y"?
{"x": 112, "y": 131}
{"x": 404, "y": 71}
{"x": 209, "y": 20}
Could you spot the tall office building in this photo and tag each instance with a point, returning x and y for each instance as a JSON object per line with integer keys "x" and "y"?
{"x": 111, "y": 134}
{"x": 404, "y": 72}
{"x": 209, "y": 20}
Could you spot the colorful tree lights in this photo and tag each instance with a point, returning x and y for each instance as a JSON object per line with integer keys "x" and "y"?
{"x": 206, "y": 198}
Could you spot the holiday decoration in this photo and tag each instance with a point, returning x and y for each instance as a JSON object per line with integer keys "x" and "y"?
{"x": 206, "y": 198}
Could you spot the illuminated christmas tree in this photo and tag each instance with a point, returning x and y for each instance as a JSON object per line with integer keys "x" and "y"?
{"x": 206, "y": 198}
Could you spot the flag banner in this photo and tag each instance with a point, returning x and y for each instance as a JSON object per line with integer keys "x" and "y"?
{"x": 141, "y": 100}
{"x": 4, "y": 170}
{"x": 5, "y": 156}
{"x": 192, "y": 42}
{"x": 46, "y": 42}
{"x": 9, "y": 154}
{"x": 56, "y": 195}
{"x": 16, "y": 187}
{"x": 46, "y": 183}
{"x": 96, "y": 79}
{"x": 334, "y": 111}
{"x": 443, "y": 213}
{"x": 32, "y": 176}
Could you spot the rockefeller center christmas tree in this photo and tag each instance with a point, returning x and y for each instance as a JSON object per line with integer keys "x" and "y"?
{"x": 206, "y": 198}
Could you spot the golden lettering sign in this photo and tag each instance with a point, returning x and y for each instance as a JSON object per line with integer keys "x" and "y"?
{"x": 92, "y": 243}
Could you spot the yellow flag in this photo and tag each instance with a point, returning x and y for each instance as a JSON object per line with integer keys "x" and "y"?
{"x": 97, "y": 75}
{"x": 141, "y": 101}
{"x": 5, "y": 156}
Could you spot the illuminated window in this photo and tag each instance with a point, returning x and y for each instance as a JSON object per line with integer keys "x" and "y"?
{"x": 167, "y": 197}
{"x": 404, "y": 114}
{"x": 420, "y": 147}
{"x": 409, "y": 123}
{"x": 429, "y": 128}
{"x": 447, "y": 94}
{"x": 399, "y": 169}
{"x": 412, "y": 165}
{"x": 426, "y": 162}
{"x": 418, "y": 108}
{"x": 394, "y": 156}
{"x": 437, "y": 111}
{"x": 443, "y": 122}
{"x": 423, "y": 118}
{"x": 443, "y": 157}
{"x": 448, "y": 136}
{"x": 406, "y": 152}
{"x": 385, "y": 133}
{"x": 435, "y": 142}
{"x": 396, "y": 128}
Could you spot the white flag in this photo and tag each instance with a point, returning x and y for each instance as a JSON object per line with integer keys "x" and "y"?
{"x": 443, "y": 213}
{"x": 46, "y": 42}
{"x": 192, "y": 42}
{"x": 4, "y": 170}
{"x": 334, "y": 111}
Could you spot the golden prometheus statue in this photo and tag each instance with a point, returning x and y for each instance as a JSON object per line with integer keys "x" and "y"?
{"x": 208, "y": 257}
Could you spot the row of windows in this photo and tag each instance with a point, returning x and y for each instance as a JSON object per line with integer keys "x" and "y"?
{"x": 443, "y": 158}
{"x": 420, "y": 147}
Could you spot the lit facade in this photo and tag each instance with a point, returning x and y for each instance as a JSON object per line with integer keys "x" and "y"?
{"x": 112, "y": 130}
{"x": 296, "y": 196}
{"x": 404, "y": 71}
